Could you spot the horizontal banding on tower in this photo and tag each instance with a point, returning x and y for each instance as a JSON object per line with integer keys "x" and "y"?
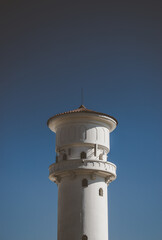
{"x": 104, "y": 169}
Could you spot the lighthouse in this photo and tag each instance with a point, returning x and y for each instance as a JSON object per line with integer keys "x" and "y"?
{"x": 82, "y": 172}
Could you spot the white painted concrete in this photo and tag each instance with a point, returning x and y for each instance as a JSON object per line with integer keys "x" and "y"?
{"x": 95, "y": 215}
{"x": 81, "y": 210}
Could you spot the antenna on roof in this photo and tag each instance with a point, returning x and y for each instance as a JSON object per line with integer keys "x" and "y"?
{"x": 82, "y": 96}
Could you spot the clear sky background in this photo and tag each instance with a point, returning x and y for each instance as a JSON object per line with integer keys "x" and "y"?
{"x": 49, "y": 51}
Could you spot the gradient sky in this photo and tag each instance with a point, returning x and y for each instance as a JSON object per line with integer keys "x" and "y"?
{"x": 49, "y": 51}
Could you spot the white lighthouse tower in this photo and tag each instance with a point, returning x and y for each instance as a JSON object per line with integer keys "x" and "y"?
{"x": 82, "y": 172}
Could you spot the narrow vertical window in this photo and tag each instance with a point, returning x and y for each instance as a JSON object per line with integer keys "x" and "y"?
{"x": 83, "y": 155}
{"x": 84, "y": 182}
{"x": 101, "y": 192}
{"x": 56, "y": 158}
{"x": 64, "y": 156}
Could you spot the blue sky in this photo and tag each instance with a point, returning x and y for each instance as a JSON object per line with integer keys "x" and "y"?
{"x": 49, "y": 51}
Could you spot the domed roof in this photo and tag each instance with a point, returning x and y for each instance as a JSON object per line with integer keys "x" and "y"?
{"x": 81, "y": 109}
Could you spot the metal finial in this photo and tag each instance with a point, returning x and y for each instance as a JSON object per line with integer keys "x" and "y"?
{"x": 82, "y": 96}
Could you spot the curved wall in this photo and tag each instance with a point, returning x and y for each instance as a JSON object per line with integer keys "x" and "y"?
{"x": 81, "y": 210}
{"x": 81, "y": 134}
